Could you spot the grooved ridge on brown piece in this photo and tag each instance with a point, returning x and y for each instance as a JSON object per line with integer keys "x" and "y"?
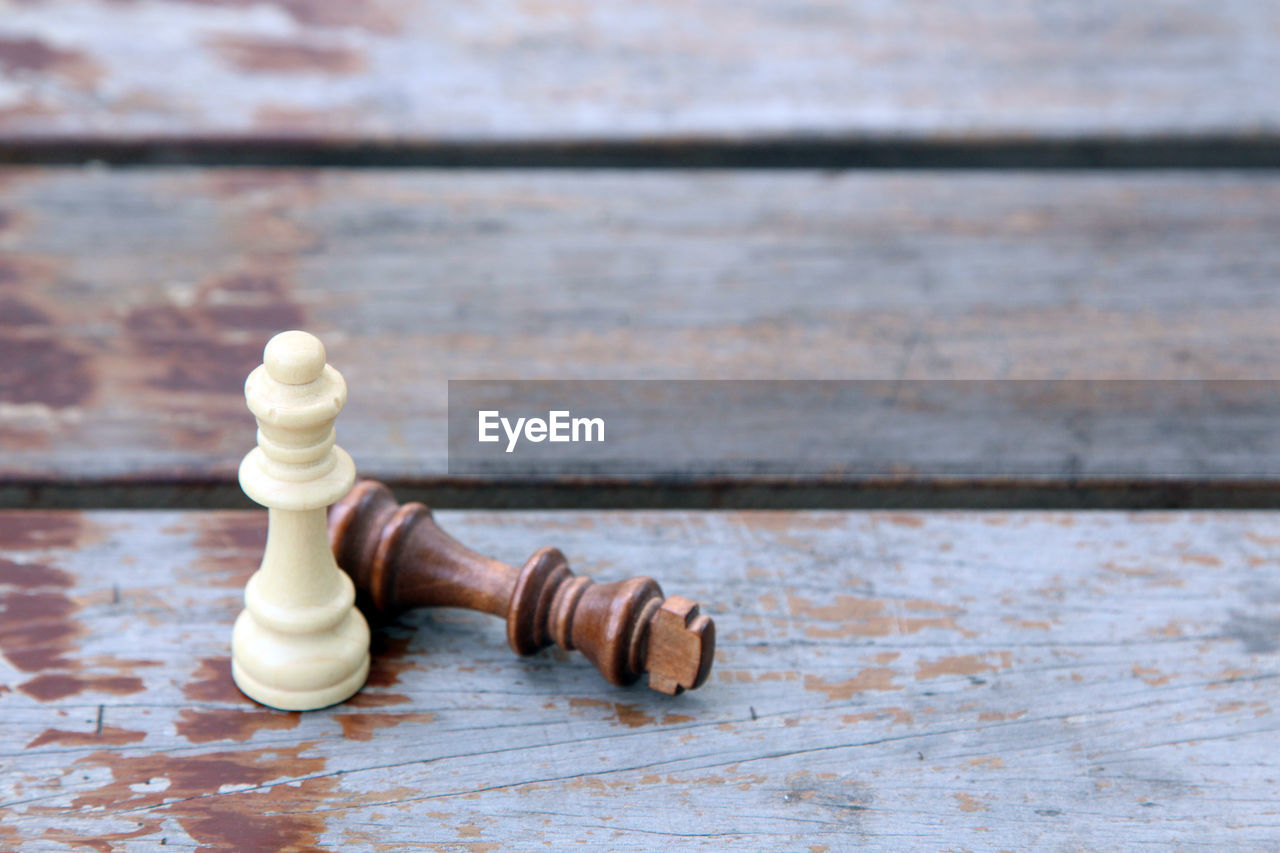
{"x": 401, "y": 559}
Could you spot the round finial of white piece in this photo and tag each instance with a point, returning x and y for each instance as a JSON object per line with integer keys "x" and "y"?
{"x": 294, "y": 358}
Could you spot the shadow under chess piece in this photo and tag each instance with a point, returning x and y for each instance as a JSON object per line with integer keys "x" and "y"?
{"x": 401, "y": 559}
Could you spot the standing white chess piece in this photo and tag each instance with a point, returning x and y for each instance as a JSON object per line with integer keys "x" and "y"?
{"x": 299, "y": 643}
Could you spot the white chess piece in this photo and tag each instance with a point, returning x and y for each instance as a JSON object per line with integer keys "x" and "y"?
{"x": 299, "y": 643}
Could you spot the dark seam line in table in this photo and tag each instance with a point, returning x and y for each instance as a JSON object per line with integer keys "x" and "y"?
{"x": 1157, "y": 494}
{"x": 1129, "y": 152}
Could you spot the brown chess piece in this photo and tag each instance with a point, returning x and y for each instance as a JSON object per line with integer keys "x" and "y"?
{"x": 400, "y": 559}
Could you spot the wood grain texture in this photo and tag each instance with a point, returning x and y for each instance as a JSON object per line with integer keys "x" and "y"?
{"x": 115, "y": 284}
{"x": 505, "y": 70}
{"x": 1000, "y": 680}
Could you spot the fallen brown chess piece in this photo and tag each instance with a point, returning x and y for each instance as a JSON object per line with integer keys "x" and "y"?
{"x": 400, "y": 559}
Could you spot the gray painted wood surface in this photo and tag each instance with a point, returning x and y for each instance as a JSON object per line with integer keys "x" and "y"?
{"x": 508, "y": 71}
{"x": 135, "y": 302}
{"x": 937, "y": 680}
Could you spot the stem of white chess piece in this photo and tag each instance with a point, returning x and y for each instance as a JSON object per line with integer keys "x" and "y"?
{"x": 300, "y": 643}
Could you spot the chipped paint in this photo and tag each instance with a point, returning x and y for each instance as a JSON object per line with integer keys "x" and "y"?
{"x": 192, "y": 761}
{"x": 231, "y": 724}
{"x": 990, "y": 762}
{"x": 624, "y": 713}
{"x": 202, "y": 348}
{"x": 970, "y": 803}
{"x": 19, "y": 55}
{"x": 256, "y": 808}
{"x": 212, "y": 682}
{"x": 1151, "y": 675}
{"x": 59, "y": 685}
{"x": 898, "y": 716}
{"x": 107, "y": 736}
{"x": 283, "y": 56}
{"x": 871, "y": 678}
{"x": 852, "y": 616}
{"x": 363, "y": 726}
{"x": 960, "y": 665}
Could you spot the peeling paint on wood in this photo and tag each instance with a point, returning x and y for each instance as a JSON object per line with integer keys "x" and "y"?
{"x": 558, "y": 70}
{"x": 1063, "y": 704}
{"x": 139, "y": 301}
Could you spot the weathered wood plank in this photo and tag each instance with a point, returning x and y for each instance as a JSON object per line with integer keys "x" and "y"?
{"x": 956, "y": 679}
{"x": 504, "y": 71}
{"x": 134, "y": 304}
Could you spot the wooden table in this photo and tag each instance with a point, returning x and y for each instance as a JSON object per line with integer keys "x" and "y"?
{"x": 992, "y": 680}
{"x": 704, "y": 190}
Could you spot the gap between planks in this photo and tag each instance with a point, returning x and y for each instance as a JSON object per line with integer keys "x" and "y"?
{"x": 713, "y": 495}
{"x": 788, "y": 152}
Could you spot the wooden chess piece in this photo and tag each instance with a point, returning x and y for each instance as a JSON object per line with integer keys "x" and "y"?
{"x": 401, "y": 559}
{"x": 300, "y": 643}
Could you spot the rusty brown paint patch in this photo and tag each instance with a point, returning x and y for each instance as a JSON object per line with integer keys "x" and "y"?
{"x": 851, "y": 616}
{"x": 389, "y": 658}
{"x": 369, "y": 699}
{"x": 230, "y": 547}
{"x": 27, "y": 107}
{"x": 999, "y": 717}
{"x": 28, "y": 274}
{"x": 895, "y": 715}
{"x": 1029, "y": 624}
{"x": 268, "y": 815}
{"x": 1151, "y": 675}
{"x": 244, "y": 531}
{"x": 202, "y": 348}
{"x": 267, "y": 319}
{"x": 109, "y": 736}
{"x": 959, "y": 665}
{"x": 743, "y": 676}
{"x": 15, "y": 314}
{"x": 212, "y": 682}
{"x": 59, "y": 685}
{"x": 871, "y": 678}
{"x": 1129, "y": 571}
{"x": 17, "y": 438}
{"x": 628, "y": 715}
{"x": 362, "y": 726}
{"x": 785, "y": 521}
{"x": 38, "y": 630}
{"x": 1200, "y": 559}
{"x": 233, "y": 724}
{"x": 283, "y": 56}
{"x": 30, "y": 575}
{"x": 902, "y": 519}
{"x": 34, "y": 56}
{"x": 104, "y": 843}
{"x": 970, "y": 803}
{"x": 1169, "y": 630}
{"x": 993, "y": 762}
{"x": 50, "y": 371}
{"x": 374, "y": 15}
{"x": 201, "y": 365}
{"x": 299, "y": 185}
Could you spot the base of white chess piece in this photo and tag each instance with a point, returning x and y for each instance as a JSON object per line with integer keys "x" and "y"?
{"x": 300, "y": 643}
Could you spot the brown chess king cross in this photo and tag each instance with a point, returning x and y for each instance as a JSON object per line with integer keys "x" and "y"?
{"x": 401, "y": 559}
